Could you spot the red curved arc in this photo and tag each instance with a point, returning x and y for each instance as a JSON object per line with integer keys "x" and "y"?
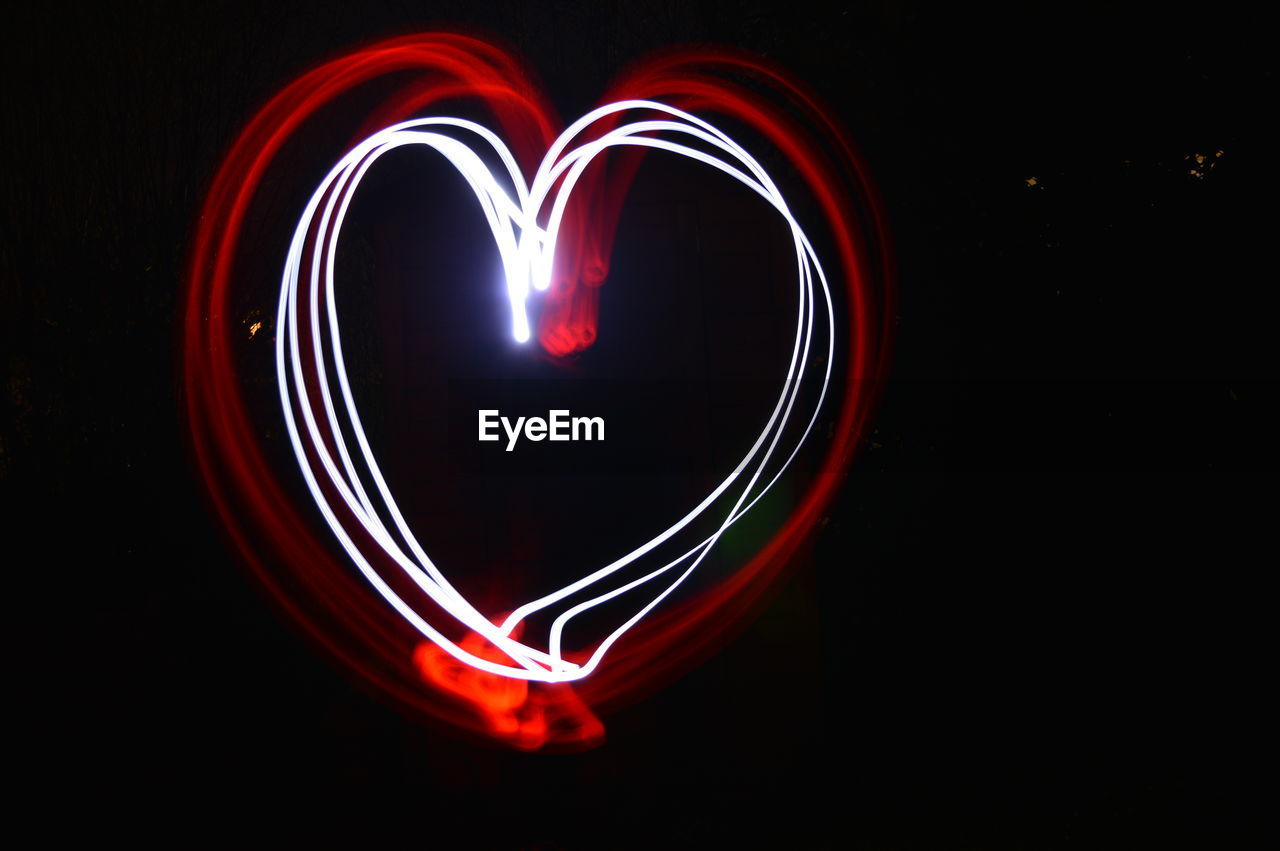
{"x": 243, "y": 490}
{"x": 668, "y": 640}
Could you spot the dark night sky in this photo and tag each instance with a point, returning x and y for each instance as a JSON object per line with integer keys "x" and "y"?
{"x": 1053, "y": 550}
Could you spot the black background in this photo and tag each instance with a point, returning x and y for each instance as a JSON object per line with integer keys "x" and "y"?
{"x": 1034, "y": 619}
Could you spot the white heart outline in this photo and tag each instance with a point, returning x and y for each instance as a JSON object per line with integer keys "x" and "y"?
{"x": 526, "y": 260}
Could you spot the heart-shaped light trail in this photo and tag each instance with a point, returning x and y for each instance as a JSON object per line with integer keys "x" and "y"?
{"x": 488, "y": 674}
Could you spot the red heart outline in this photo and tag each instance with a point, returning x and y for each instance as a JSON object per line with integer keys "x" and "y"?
{"x": 284, "y": 551}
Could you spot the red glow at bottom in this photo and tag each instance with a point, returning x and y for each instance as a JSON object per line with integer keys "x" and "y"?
{"x": 527, "y": 716}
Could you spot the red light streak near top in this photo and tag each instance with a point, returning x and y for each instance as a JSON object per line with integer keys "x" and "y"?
{"x": 474, "y": 669}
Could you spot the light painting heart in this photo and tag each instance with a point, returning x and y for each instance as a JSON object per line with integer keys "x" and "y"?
{"x": 482, "y": 670}
{"x": 527, "y": 245}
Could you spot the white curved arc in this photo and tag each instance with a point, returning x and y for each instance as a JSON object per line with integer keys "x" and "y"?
{"x": 527, "y": 260}
{"x": 435, "y": 585}
{"x": 790, "y": 394}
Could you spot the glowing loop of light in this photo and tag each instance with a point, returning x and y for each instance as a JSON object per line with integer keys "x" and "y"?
{"x": 513, "y": 211}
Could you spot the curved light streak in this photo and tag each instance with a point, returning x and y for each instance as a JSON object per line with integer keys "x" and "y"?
{"x": 513, "y": 211}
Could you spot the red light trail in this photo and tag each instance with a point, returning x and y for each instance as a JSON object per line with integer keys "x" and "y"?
{"x": 466, "y": 678}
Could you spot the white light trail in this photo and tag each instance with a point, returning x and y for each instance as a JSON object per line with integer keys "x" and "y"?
{"x": 513, "y": 210}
